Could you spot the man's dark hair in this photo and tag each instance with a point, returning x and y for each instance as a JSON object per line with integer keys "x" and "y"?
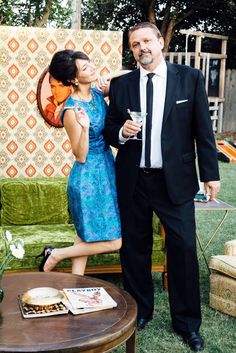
{"x": 145, "y": 25}
{"x": 63, "y": 67}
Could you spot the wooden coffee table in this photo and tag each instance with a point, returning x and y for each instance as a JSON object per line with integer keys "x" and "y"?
{"x": 95, "y": 332}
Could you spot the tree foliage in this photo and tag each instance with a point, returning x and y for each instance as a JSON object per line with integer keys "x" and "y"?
{"x": 35, "y": 13}
{"x": 215, "y": 16}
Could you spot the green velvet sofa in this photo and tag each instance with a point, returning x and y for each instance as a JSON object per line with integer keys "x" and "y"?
{"x": 36, "y": 210}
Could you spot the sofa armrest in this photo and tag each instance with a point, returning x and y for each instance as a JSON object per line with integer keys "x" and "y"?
{"x": 230, "y": 248}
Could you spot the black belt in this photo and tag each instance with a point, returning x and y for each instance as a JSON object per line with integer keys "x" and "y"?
{"x": 151, "y": 170}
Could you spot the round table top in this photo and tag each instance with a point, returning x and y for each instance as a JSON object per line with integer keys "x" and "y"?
{"x": 98, "y": 331}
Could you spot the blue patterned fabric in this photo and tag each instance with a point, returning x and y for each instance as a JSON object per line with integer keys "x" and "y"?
{"x": 91, "y": 186}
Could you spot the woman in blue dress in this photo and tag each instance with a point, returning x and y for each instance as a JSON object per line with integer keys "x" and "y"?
{"x": 91, "y": 186}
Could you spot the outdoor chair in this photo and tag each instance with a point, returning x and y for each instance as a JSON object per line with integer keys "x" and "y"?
{"x": 223, "y": 280}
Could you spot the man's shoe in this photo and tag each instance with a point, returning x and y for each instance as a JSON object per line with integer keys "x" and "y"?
{"x": 141, "y": 323}
{"x": 194, "y": 340}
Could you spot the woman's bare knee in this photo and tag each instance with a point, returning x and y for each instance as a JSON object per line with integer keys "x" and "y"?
{"x": 115, "y": 244}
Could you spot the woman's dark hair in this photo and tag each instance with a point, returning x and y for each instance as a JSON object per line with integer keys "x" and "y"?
{"x": 63, "y": 67}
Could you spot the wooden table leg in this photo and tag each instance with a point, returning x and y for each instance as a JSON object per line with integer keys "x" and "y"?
{"x": 131, "y": 343}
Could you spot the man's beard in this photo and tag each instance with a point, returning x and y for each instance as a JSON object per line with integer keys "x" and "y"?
{"x": 146, "y": 59}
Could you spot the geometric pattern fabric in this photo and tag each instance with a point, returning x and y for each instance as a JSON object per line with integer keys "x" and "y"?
{"x": 29, "y": 146}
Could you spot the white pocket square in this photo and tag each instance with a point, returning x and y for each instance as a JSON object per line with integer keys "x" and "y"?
{"x": 182, "y": 101}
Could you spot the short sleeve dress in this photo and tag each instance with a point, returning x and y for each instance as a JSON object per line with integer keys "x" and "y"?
{"x": 91, "y": 186}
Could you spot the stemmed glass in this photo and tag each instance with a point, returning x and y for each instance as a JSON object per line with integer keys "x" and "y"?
{"x": 137, "y": 117}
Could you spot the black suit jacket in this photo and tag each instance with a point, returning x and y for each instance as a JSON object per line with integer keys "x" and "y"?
{"x": 186, "y": 130}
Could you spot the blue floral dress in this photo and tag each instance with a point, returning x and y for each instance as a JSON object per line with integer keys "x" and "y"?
{"x": 91, "y": 187}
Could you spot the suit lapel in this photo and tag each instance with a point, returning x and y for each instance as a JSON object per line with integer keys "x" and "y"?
{"x": 134, "y": 91}
{"x": 172, "y": 83}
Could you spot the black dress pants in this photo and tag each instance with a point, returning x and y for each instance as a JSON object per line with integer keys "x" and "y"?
{"x": 182, "y": 265}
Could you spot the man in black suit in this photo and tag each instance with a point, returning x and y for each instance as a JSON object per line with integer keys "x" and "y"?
{"x": 158, "y": 173}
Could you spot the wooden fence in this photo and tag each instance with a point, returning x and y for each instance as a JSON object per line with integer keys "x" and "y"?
{"x": 212, "y": 66}
{"x": 229, "y": 116}
{"x": 222, "y": 109}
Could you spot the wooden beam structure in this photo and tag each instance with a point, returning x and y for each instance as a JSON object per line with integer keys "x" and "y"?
{"x": 212, "y": 71}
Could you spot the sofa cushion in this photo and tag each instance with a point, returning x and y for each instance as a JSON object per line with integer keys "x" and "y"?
{"x": 224, "y": 264}
{"x": 36, "y": 237}
{"x": 34, "y": 201}
{"x": 223, "y": 293}
{"x": 156, "y": 225}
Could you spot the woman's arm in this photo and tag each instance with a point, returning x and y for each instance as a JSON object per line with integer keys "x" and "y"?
{"x": 76, "y": 123}
{"x": 103, "y": 82}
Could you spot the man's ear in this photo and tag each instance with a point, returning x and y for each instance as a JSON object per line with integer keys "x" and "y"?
{"x": 162, "y": 42}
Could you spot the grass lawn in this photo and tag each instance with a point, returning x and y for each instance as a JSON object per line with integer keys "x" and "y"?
{"x": 218, "y": 329}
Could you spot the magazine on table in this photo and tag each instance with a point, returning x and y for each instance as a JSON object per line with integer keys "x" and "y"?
{"x": 83, "y": 310}
{"x": 45, "y": 301}
{"x": 88, "y": 299}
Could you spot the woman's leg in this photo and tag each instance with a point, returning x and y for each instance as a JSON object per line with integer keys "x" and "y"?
{"x": 79, "y": 263}
{"x": 79, "y": 250}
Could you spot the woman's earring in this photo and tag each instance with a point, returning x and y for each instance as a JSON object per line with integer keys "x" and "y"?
{"x": 76, "y": 82}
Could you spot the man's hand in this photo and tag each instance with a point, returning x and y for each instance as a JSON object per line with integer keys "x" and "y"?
{"x": 212, "y": 188}
{"x": 130, "y": 128}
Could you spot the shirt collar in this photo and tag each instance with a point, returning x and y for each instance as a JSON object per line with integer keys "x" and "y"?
{"x": 160, "y": 70}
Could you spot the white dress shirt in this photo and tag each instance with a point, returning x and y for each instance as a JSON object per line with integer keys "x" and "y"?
{"x": 159, "y": 93}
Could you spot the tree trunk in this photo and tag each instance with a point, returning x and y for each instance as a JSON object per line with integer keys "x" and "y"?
{"x": 169, "y": 34}
{"x": 76, "y": 14}
{"x": 166, "y": 18}
{"x": 176, "y": 19}
{"x": 41, "y": 21}
{"x": 150, "y": 5}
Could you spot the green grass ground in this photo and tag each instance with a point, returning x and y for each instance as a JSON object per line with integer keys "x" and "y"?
{"x": 218, "y": 329}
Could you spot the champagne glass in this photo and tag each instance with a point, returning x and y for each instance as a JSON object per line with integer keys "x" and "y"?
{"x": 137, "y": 117}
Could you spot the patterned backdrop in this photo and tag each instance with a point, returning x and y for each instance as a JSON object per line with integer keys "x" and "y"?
{"x": 28, "y": 145}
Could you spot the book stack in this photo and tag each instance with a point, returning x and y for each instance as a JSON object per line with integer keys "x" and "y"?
{"x": 201, "y": 196}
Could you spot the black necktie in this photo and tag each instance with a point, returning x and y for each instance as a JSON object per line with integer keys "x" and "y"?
{"x": 149, "y": 104}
